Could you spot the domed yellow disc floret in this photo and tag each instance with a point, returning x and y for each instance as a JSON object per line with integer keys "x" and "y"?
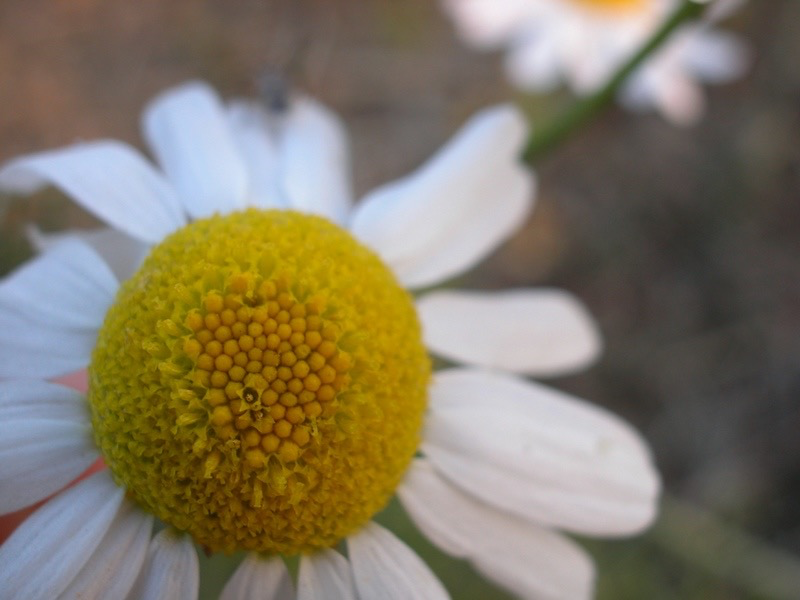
{"x": 260, "y": 383}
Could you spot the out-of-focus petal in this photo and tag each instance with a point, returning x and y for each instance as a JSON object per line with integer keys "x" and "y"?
{"x": 325, "y": 575}
{"x": 489, "y": 23}
{"x": 259, "y": 577}
{"x": 50, "y": 548}
{"x": 549, "y": 41}
{"x": 534, "y": 65}
{"x": 524, "y": 558}
{"x": 456, "y": 208}
{"x": 120, "y": 251}
{"x": 722, "y": 9}
{"x": 717, "y": 56}
{"x": 255, "y": 134}
{"x": 45, "y": 441}
{"x": 543, "y": 332}
{"x": 114, "y": 566}
{"x": 188, "y": 132}
{"x": 681, "y": 100}
{"x": 51, "y": 309}
{"x": 170, "y": 569}
{"x": 77, "y": 380}
{"x": 540, "y": 454}
{"x": 384, "y": 567}
{"x": 107, "y": 178}
{"x": 314, "y": 160}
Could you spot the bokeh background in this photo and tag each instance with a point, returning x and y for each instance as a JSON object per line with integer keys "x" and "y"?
{"x": 683, "y": 242}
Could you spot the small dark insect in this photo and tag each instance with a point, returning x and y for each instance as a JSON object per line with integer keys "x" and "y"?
{"x": 249, "y": 395}
{"x": 273, "y": 87}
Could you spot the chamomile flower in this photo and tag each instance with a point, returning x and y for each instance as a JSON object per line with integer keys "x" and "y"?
{"x": 583, "y": 42}
{"x": 259, "y": 376}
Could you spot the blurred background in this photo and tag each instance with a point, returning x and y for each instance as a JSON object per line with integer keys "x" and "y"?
{"x": 683, "y": 242}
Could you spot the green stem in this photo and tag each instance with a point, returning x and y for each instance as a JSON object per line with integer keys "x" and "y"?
{"x": 708, "y": 543}
{"x": 587, "y": 108}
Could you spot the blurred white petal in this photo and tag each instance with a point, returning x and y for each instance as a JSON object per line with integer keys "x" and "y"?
{"x": 118, "y": 250}
{"x": 384, "y": 567}
{"x": 259, "y": 577}
{"x": 109, "y": 179}
{"x": 325, "y": 575}
{"x": 717, "y": 57}
{"x": 114, "y": 566}
{"x": 548, "y": 41}
{"x": 722, "y": 9}
{"x": 170, "y": 569}
{"x": 459, "y": 206}
{"x": 540, "y": 454}
{"x": 524, "y": 558}
{"x": 255, "y": 134}
{"x": 534, "y": 64}
{"x": 188, "y": 131}
{"x": 51, "y": 309}
{"x": 681, "y": 100}
{"x": 488, "y": 23}
{"x": 48, "y": 550}
{"x": 542, "y": 332}
{"x": 45, "y": 441}
{"x": 315, "y": 163}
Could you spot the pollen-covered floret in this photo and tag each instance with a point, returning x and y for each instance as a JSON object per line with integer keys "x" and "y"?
{"x": 260, "y": 382}
{"x": 271, "y": 365}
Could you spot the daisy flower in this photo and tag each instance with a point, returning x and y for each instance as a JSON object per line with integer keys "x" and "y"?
{"x": 260, "y": 380}
{"x": 583, "y": 42}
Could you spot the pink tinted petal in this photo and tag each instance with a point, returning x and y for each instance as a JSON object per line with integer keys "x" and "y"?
{"x": 78, "y": 380}
{"x": 9, "y": 522}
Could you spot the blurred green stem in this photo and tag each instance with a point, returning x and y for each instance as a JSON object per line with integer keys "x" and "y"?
{"x": 707, "y": 542}
{"x": 587, "y": 108}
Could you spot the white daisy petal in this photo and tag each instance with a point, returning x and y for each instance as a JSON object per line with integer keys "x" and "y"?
{"x": 549, "y": 41}
{"x": 481, "y": 24}
{"x": 526, "y": 559}
{"x": 543, "y": 332}
{"x": 590, "y": 54}
{"x": 45, "y": 441}
{"x": 49, "y": 549}
{"x": 680, "y": 99}
{"x": 384, "y": 567}
{"x": 114, "y": 566}
{"x": 638, "y": 91}
{"x": 722, "y": 9}
{"x": 540, "y": 454}
{"x": 455, "y": 209}
{"x": 188, "y": 132}
{"x": 717, "y": 56}
{"x": 534, "y": 65}
{"x": 120, "y": 251}
{"x": 170, "y": 569}
{"x": 255, "y": 135}
{"x": 325, "y": 575}
{"x": 259, "y": 577}
{"x": 51, "y": 309}
{"x": 315, "y": 163}
{"x": 108, "y": 178}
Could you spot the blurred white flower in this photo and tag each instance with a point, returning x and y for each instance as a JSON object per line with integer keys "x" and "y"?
{"x": 502, "y": 464}
{"x": 581, "y": 43}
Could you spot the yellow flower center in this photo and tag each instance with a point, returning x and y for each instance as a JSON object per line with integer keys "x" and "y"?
{"x": 260, "y": 383}
{"x": 613, "y": 5}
